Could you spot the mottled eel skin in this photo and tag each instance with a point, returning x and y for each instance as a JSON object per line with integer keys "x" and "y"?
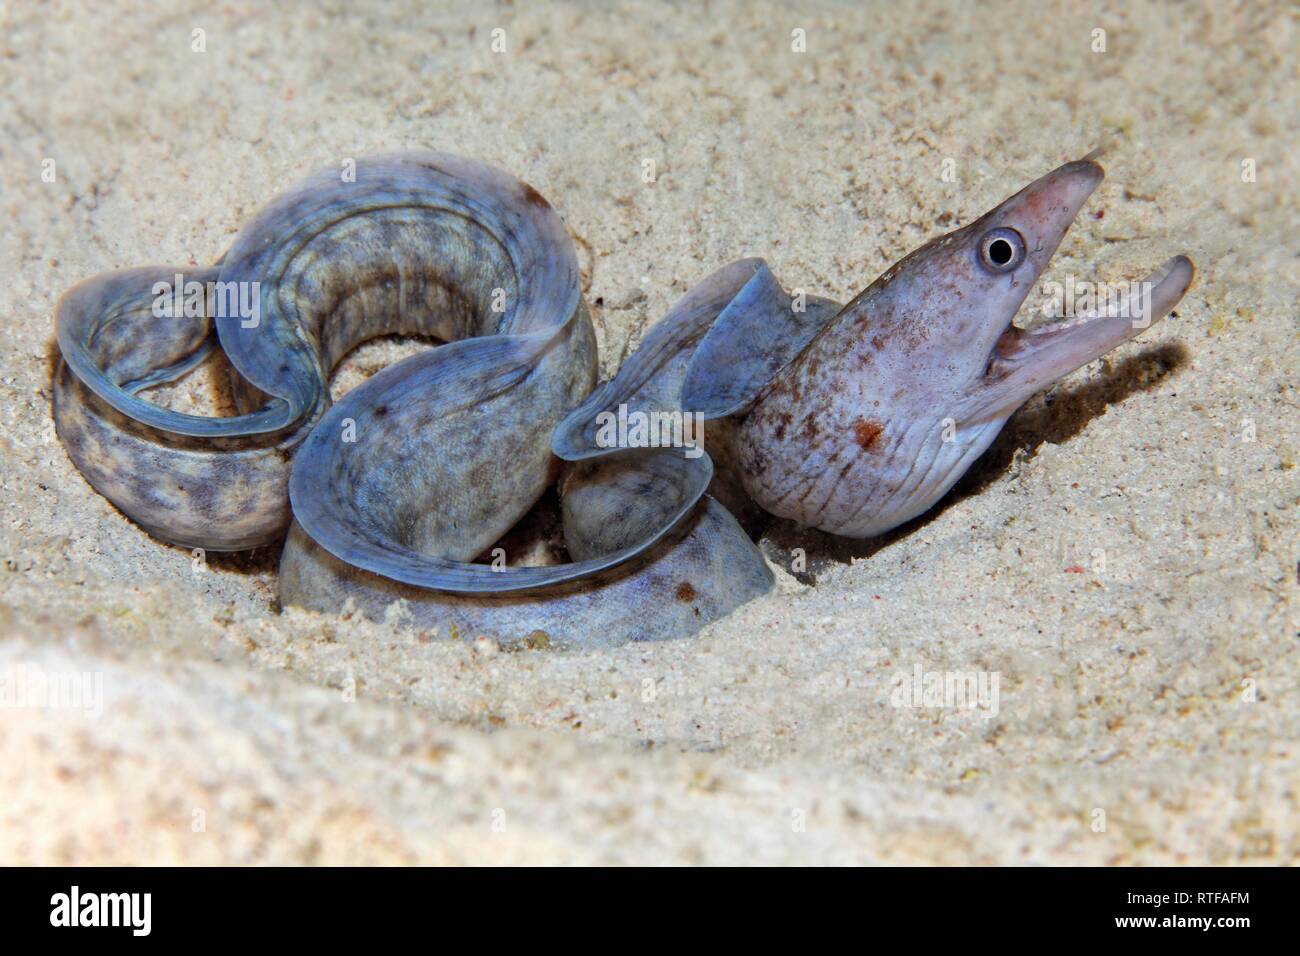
{"x": 851, "y": 419}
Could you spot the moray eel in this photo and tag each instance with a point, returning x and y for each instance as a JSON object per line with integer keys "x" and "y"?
{"x": 850, "y": 419}
{"x": 897, "y": 396}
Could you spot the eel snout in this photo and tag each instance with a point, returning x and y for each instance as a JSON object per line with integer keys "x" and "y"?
{"x": 1091, "y": 318}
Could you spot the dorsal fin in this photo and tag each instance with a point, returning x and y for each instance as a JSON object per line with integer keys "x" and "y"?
{"x": 759, "y": 333}
{"x": 650, "y": 380}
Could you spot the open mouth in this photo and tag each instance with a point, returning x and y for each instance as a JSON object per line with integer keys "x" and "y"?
{"x": 1094, "y": 318}
{"x": 1024, "y": 362}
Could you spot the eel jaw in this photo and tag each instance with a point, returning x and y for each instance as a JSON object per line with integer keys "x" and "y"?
{"x": 1024, "y": 363}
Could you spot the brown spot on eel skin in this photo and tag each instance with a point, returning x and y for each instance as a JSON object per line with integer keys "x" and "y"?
{"x": 867, "y": 433}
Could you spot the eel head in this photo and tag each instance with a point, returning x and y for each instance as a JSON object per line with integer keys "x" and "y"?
{"x": 898, "y": 394}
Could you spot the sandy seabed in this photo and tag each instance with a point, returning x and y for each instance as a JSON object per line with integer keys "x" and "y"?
{"x": 1123, "y": 560}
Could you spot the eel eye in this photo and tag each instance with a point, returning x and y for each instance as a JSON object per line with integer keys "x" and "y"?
{"x": 1002, "y": 249}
